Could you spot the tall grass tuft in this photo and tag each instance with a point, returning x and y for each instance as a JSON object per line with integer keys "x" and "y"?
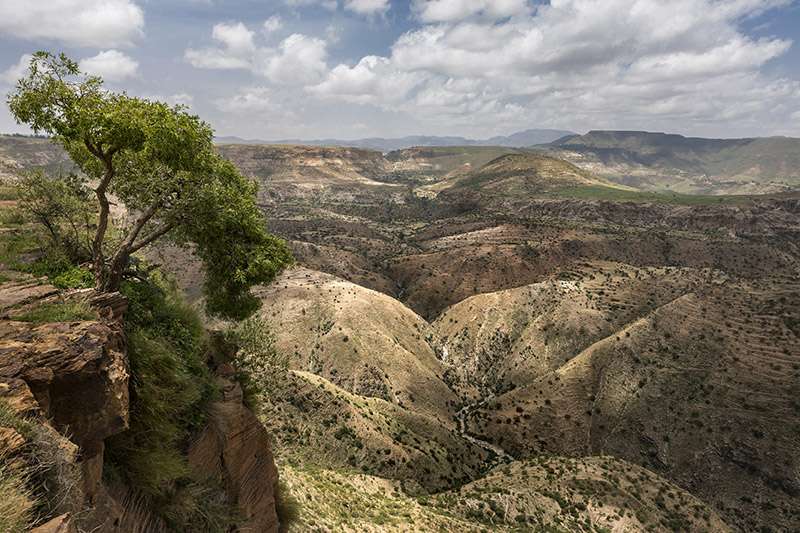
{"x": 171, "y": 390}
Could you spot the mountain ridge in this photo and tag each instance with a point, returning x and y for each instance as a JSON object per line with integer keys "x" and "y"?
{"x": 521, "y": 138}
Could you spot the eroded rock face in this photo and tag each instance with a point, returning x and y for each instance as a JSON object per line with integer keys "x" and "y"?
{"x": 235, "y": 449}
{"x": 71, "y": 378}
{"x": 76, "y": 371}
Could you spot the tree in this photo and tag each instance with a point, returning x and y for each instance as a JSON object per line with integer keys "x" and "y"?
{"x": 160, "y": 162}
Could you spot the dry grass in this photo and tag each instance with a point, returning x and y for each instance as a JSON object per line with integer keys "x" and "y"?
{"x": 16, "y": 500}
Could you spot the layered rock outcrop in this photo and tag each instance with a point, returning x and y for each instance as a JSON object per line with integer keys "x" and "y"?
{"x": 71, "y": 380}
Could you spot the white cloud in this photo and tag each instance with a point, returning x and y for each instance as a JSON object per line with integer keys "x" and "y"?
{"x": 215, "y": 58}
{"x": 685, "y": 60}
{"x": 16, "y": 71}
{"x": 181, "y": 98}
{"x": 111, "y": 65}
{"x": 250, "y": 100}
{"x": 273, "y": 24}
{"x": 476, "y": 66}
{"x": 297, "y": 60}
{"x": 184, "y": 99}
{"x": 235, "y": 37}
{"x": 100, "y": 23}
{"x": 367, "y": 7}
{"x": 236, "y": 51}
{"x": 373, "y": 80}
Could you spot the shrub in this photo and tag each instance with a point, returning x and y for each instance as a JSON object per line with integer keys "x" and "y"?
{"x": 261, "y": 368}
{"x": 61, "y": 205}
{"x": 74, "y": 278}
{"x": 42, "y": 482}
{"x": 171, "y": 389}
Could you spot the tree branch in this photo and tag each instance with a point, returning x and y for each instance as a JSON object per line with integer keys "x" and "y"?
{"x": 102, "y": 220}
{"x": 140, "y": 223}
{"x": 160, "y": 232}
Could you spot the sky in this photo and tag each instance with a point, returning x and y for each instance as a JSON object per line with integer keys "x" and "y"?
{"x": 309, "y": 69}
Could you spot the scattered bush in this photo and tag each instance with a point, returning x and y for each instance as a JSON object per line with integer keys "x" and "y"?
{"x": 41, "y": 482}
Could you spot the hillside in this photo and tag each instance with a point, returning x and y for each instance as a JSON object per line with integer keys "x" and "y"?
{"x": 656, "y": 366}
{"x": 481, "y": 339}
{"x": 658, "y": 161}
{"x": 549, "y": 494}
{"x": 18, "y": 153}
{"x": 519, "y": 177}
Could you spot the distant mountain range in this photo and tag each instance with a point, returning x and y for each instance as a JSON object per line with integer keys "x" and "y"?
{"x": 521, "y": 138}
{"x": 661, "y": 161}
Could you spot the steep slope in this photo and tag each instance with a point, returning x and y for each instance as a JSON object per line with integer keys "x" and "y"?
{"x": 65, "y": 397}
{"x": 366, "y": 391}
{"x": 685, "y": 373}
{"x": 514, "y": 179}
{"x": 363, "y": 341}
{"x": 554, "y": 494}
{"x": 575, "y": 495}
{"x": 426, "y": 165}
{"x": 525, "y": 174}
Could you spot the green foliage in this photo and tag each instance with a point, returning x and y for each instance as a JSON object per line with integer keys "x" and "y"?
{"x": 74, "y": 278}
{"x": 62, "y": 206}
{"x": 58, "y": 312}
{"x": 10, "y": 419}
{"x": 8, "y": 192}
{"x": 15, "y": 244}
{"x": 170, "y": 392}
{"x": 237, "y": 251}
{"x": 161, "y": 163}
{"x": 262, "y": 369}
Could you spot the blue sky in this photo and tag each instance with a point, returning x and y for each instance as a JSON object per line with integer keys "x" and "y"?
{"x": 275, "y": 69}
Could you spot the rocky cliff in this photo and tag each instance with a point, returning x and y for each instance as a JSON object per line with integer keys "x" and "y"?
{"x": 68, "y": 380}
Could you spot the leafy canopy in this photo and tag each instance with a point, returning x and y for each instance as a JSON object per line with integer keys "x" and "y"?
{"x": 160, "y": 162}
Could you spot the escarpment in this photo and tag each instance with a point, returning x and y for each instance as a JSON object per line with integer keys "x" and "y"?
{"x": 65, "y": 389}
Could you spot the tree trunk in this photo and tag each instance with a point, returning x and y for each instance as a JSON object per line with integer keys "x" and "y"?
{"x": 109, "y": 278}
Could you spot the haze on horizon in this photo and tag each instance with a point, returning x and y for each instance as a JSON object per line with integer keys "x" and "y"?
{"x": 348, "y": 69}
